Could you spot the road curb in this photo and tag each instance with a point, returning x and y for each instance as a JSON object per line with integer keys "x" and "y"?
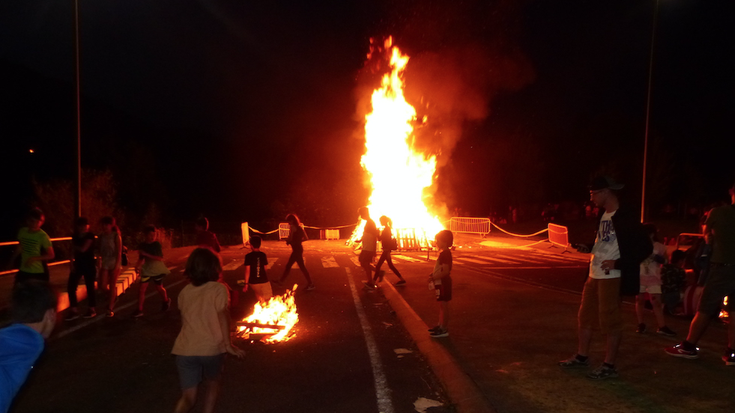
{"x": 462, "y": 391}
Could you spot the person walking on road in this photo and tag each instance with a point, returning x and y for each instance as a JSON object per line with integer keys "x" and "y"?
{"x": 296, "y": 236}
{"x": 255, "y": 275}
{"x": 204, "y": 338}
{"x": 151, "y": 267}
{"x": 82, "y": 265}
{"x": 34, "y": 248}
{"x": 651, "y": 284}
{"x": 110, "y": 247}
{"x": 205, "y": 237}
{"x": 387, "y": 243}
{"x": 620, "y": 247}
{"x": 719, "y": 232}
{"x": 440, "y": 281}
{"x": 369, "y": 241}
{"x": 33, "y": 314}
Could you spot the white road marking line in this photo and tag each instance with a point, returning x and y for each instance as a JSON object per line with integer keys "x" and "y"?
{"x": 481, "y": 262}
{"x": 495, "y": 260}
{"x": 117, "y": 308}
{"x": 235, "y": 264}
{"x": 532, "y": 268}
{"x": 329, "y": 262}
{"x": 406, "y": 258}
{"x": 382, "y": 392}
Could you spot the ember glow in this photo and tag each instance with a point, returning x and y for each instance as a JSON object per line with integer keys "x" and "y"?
{"x": 274, "y": 319}
{"x": 399, "y": 175}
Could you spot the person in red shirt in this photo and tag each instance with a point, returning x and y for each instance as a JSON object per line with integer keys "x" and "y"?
{"x": 206, "y": 238}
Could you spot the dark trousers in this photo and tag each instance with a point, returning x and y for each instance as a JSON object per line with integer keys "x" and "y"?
{"x": 385, "y": 257}
{"x": 297, "y": 256}
{"x": 89, "y": 273}
{"x": 22, "y": 276}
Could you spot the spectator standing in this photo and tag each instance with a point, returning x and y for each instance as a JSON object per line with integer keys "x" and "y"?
{"x": 110, "y": 247}
{"x": 440, "y": 281}
{"x": 33, "y": 315}
{"x": 719, "y": 232}
{"x": 204, "y": 338}
{"x": 620, "y": 247}
{"x": 673, "y": 281}
{"x": 255, "y": 275}
{"x": 651, "y": 284}
{"x": 82, "y": 265}
{"x": 34, "y": 248}
{"x": 296, "y": 236}
{"x": 206, "y": 238}
{"x": 151, "y": 268}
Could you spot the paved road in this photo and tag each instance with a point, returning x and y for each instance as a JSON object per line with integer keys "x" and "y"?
{"x": 513, "y": 315}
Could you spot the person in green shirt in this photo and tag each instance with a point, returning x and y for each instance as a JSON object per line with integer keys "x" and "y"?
{"x": 34, "y": 248}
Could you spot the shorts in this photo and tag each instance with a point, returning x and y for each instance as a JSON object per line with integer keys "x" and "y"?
{"x": 22, "y": 276}
{"x": 366, "y": 257}
{"x": 109, "y": 264}
{"x": 444, "y": 290}
{"x": 157, "y": 279}
{"x": 651, "y": 289}
{"x": 191, "y": 369}
{"x": 720, "y": 284}
{"x": 263, "y": 291}
{"x": 600, "y": 305}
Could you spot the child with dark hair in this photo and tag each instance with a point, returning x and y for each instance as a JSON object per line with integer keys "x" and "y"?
{"x": 34, "y": 315}
{"x": 673, "y": 281}
{"x": 110, "y": 247}
{"x": 440, "y": 281}
{"x": 151, "y": 267}
{"x": 650, "y": 282}
{"x": 82, "y": 265}
{"x": 205, "y": 332}
{"x": 296, "y": 236}
{"x": 255, "y": 276}
{"x": 206, "y": 238}
{"x": 34, "y": 248}
{"x": 387, "y": 244}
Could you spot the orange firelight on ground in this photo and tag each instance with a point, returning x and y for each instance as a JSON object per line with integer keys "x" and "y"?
{"x": 273, "y": 319}
{"x": 399, "y": 175}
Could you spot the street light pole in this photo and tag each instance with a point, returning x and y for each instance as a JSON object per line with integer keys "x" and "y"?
{"x": 648, "y": 112}
{"x": 78, "y": 191}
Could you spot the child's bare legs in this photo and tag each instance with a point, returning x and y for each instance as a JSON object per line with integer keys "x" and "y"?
{"x": 211, "y": 397}
{"x": 444, "y": 314}
{"x": 162, "y": 292}
{"x": 187, "y": 400}
{"x": 658, "y": 310}
{"x": 640, "y": 301}
{"x": 141, "y": 296}
{"x": 112, "y": 287}
{"x": 102, "y": 283}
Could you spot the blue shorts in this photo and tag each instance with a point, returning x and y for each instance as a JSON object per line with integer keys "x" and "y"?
{"x": 191, "y": 369}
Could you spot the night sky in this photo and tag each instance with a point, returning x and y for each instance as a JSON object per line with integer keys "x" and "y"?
{"x": 244, "y": 110}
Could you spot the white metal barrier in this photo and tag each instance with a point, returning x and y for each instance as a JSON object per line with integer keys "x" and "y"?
{"x": 283, "y": 229}
{"x": 470, "y": 225}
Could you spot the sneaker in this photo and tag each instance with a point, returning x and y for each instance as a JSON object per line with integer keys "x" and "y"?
{"x": 400, "y": 283}
{"x": 439, "y": 333}
{"x": 137, "y": 314}
{"x": 603, "y": 372}
{"x": 665, "y": 331}
{"x": 311, "y": 287}
{"x": 73, "y": 315}
{"x": 678, "y": 351}
{"x": 166, "y": 305}
{"x": 369, "y": 285}
{"x": 91, "y": 313}
{"x": 574, "y": 362}
{"x": 110, "y": 314}
{"x": 729, "y": 357}
{"x": 641, "y": 328}
{"x": 381, "y": 274}
{"x": 432, "y": 329}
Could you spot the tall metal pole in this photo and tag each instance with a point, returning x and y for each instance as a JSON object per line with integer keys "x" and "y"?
{"x": 648, "y": 113}
{"x": 78, "y": 192}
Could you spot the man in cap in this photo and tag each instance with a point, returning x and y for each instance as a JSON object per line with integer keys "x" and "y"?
{"x": 719, "y": 232}
{"x": 621, "y": 245}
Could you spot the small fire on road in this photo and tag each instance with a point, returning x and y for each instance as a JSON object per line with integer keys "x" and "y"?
{"x": 272, "y": 321}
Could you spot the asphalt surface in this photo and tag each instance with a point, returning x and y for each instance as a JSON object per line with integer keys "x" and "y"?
{"x": 513, "y": 317}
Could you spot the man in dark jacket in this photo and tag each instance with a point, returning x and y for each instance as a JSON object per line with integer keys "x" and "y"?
{"x": 621, "y": 245}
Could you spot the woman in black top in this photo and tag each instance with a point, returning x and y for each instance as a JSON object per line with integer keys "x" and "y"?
{"x": 296, "y": 235}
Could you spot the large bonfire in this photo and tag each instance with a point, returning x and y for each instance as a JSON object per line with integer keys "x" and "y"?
{"x": 399, "y": 175}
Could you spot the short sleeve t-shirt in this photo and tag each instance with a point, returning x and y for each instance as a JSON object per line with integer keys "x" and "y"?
{"x": 369, "y": 238}
{"x": 201, "y": 334}
{"x": 606, "y": 248}
{"x": 445, "y": 258}
{"x": 722, "y": 221}
{"x": 86, "y": 257}
{"x": 31, "y": 244}
{"x": 150, "y": 266}
{"x": 208, "y": 239}
{"x": 257, "y": 261}
{"x": 650, "y": 269}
